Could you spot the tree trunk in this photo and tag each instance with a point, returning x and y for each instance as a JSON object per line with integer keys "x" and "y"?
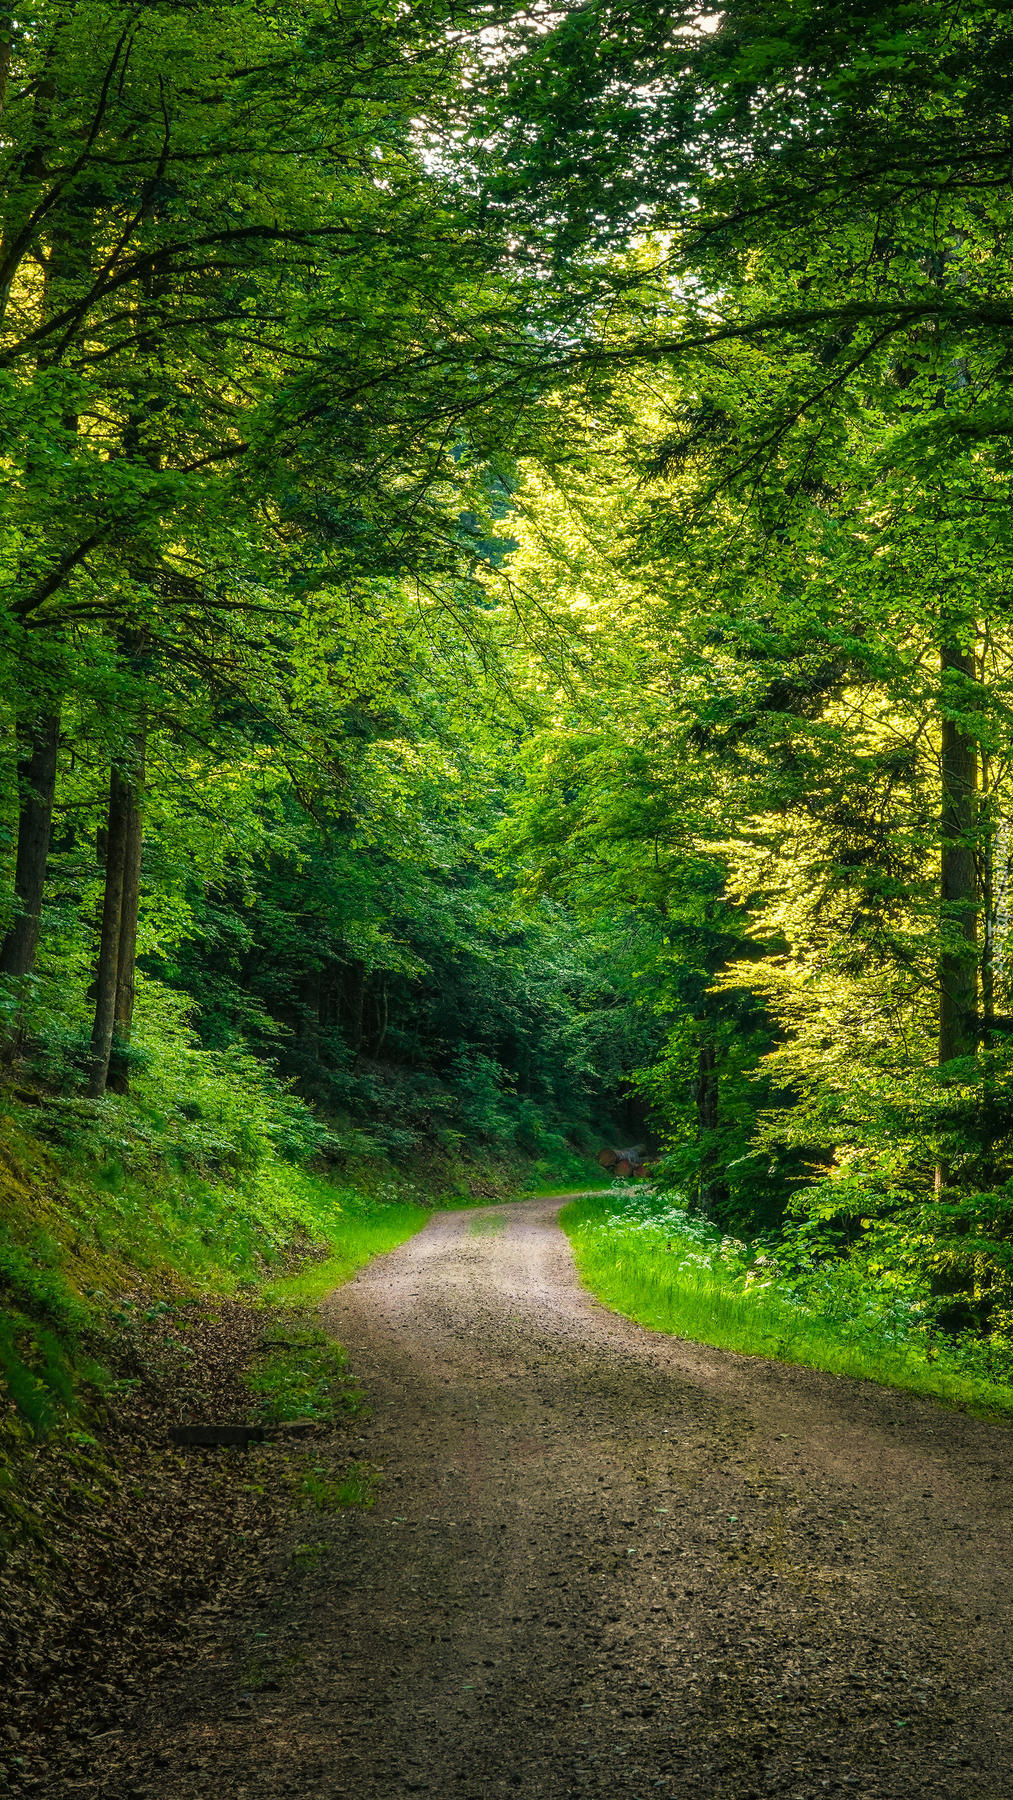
{"x": 69, "y": 259}
{"x": 37, "y": 788}
{"x": 6, "y": 51}
{"x": 356, "y": 1006}
{"x": 988, "y": 822}
{"x": 958, "y": 961}
{"x": 381, "y": 1017}
{"x": 118, "y": 1079}
{"x": 107, "y": 973}
{"x": 711, "y": 1190}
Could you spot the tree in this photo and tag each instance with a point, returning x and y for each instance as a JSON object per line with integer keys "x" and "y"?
{"x": 256, "y": 357}
{"x": 225, "y": 319}
{"x": 783, "y": 236}
{"x": 826, "y": 187}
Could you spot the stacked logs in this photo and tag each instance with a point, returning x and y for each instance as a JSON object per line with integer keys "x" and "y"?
{"x": 624, "y": 1162}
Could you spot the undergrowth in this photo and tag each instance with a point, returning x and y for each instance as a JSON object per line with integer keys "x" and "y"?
{"x": 329, "y": 1494}
{"x": 300, "y": 1373}
{"x": 671, "y": 1270}
{"x": 210, "y": 1178}
{"x": 95, "y": 1228}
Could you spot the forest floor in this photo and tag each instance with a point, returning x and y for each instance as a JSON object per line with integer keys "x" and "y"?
{"x": 601, "y": 1562}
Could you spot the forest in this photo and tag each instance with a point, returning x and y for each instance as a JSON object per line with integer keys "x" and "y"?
{"x": 504, "y": 603}
{"x": 507, "y": 636}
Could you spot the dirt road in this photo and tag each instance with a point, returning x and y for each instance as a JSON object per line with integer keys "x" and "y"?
{"x": 604, "y": 1562}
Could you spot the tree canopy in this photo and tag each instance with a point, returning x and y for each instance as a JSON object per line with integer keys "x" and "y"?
{"x": 506, "y": 571}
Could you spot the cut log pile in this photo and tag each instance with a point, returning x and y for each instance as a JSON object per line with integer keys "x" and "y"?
{"x": 624, "y": 1162}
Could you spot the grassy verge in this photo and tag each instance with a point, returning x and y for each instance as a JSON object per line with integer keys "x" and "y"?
{"x": 157, "y": 1199}
{"x": 663, "y": 1268}
{"x": 91, "y": 1243}
{"x": 361, "y": 1230}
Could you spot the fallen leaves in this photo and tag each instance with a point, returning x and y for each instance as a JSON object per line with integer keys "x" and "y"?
{"x": 119, "y": 1539}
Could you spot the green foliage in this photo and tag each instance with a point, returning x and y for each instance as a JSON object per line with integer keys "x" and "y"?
{"x": 31, "y": 1274}
{"x": 301, "y": 1376}
{"x": 118, "y": 1201}
{"x": 43, "y": 1330}
{"x": 357, "y": 1487}
{"x": 676, "y": 1273}
{"x": 785, "y": 549}
{"x": 547, "y": 593}
{"x": 260, "y": 362}
{"x": 35, "y": 1372}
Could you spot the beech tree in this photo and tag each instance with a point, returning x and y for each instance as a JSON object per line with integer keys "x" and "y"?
{"x": 828, "y": 188}
{"x": 574, "y": 455}
{"x": 240, "y": 365}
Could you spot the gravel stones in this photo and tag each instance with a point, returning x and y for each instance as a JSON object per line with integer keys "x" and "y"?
{"x": 603, "y": 1562}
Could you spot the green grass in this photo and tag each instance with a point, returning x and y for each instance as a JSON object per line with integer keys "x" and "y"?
{"x": 564, "y": 1190}
{"x": 355, "y": 1231}
{"x": 672, "y": 1277}
{"x": 356, "y": 1487}
{"x": 81, "y": 1226}
{"x": 300, "y": 1373}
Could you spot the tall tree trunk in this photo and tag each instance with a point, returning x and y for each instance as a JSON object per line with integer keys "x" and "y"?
{"x": 711, "y": 1189}
{"x": 989, "y": 899}
{"x": 1000, "y": 866}
{"x": 355, "y": 1006}
{"x": 6, "y": 51}
{"x": 958, "y": 894}
{"x": 107, "y": 973}
{"x": 958, "y": 961}
{"x": 37, "y": 789}
{"x": 118, "y": 1079}
{"x": 382, "y": 1015}
{"x": 69, "y": 260}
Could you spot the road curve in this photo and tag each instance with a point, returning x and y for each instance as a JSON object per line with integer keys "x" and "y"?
{"x": 607, "y": 1562}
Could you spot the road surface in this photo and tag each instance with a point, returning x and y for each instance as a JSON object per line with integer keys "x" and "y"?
{"x": 607, "y": 1562}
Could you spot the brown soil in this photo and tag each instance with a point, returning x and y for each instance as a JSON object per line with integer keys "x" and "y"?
{"x": 604, "y": 1562}
{"x": 118, "y": 1541}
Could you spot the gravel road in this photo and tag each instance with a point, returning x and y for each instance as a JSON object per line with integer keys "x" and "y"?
{"x": 607, "y": 1562}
